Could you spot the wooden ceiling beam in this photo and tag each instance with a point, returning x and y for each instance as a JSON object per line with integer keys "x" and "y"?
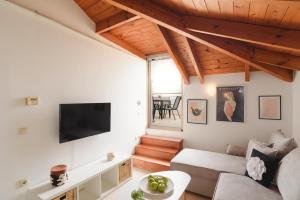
{"x": 223, "y": 70}
{"x": 247, "y": 72}
{"x": 114, "y": 21}
{"x": 277, "y": 59}
{"x": 244, "y": 53}
{"x": 172, "y": 21}
{"x": 194, "y": 58}
{"x": 174, "y": 53}
{"x": 268, "y": 36}
{"x": 123, "y": 44}
{"x": 281, "y": 73}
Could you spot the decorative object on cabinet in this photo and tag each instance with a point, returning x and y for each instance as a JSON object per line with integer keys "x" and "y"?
{"x": 110, "y": 156}
{"x": 58, "y": 175}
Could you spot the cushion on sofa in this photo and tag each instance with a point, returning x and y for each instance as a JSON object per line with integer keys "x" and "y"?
{"x": 237, "y": 187}
{"x": 262, "y": 169}
{"x": 288, "y": 176}
{"x": 252, "y": 144}
{"x": 235, "y": 150}
{"x": 210, "y": 160}
{"x": 205, "y": 167}
{"x": 282, "y": 144}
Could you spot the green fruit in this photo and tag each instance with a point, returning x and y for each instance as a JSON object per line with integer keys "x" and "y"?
{"x": 165, "y": 179}
{"x": 154, "y": 186}
{"x": 140, "y": 193}
{"x": 137, "y": 195}
{"x": 150, "y": 176}
{"x": 134, "y": 194}
{"x": 161, "y": 187}
{"x": 151, "y": 180}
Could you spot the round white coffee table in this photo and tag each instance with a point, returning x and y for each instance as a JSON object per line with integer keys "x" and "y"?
{"x": 180, "y": 180}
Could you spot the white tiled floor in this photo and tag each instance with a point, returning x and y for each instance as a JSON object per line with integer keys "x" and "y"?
{"x": 140, "y": 173}
{"x": 167, "y": 122}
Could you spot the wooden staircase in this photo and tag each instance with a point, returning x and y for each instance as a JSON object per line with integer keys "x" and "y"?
{"x": 154, "y": 153}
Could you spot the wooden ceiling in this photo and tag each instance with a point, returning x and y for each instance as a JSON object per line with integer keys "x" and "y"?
{"x": 205, "y": 37}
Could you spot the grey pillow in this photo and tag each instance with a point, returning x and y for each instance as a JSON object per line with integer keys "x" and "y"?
{"x": 282, "y": 144}
{"x": 255, "y": 143}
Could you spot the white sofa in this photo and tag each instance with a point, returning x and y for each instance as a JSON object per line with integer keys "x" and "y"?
{"x": 206, "y": 169}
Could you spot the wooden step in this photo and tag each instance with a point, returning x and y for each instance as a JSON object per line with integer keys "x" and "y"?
{"x": 175, "y": 143}
{"x": 153, "y": 151}
{"x": 150, "y": 164}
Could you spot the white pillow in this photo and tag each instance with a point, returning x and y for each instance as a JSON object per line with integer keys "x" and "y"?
{"x": 276, "y": 136}
{"x": 282, "y": 144}
{"x": 266, "y": 150}
{"x": 256, "y": 168}
{"x": 254, "y": 143}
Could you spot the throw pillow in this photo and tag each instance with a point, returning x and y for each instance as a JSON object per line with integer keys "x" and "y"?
{"x": 251, "y": 144}
{"x": 261, "y": 168}
{"x": 266, "y": 150}
{"x": 282, "y": 144}
{"x": 235, "y": 150}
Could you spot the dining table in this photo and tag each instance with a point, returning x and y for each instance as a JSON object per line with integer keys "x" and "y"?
{"x": 162, "y": 102}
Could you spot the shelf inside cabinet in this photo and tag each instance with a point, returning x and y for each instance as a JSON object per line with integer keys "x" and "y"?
{"x": 90, "y": 190}
{"x": 109, "y": 180}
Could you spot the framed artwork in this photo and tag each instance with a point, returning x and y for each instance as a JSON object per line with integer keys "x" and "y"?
{"x": 270, "y": 107}
{"x": 230, "y": 104}
{"x": 197, "y": 111}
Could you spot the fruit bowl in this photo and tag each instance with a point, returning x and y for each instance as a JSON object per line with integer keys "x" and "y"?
{"x": 149, "y": 193}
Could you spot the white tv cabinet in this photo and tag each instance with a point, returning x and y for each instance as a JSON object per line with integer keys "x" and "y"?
{"x": 93, "y": 181}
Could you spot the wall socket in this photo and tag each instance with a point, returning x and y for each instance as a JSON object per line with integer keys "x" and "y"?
{"x": 23, "y": 131}
{"x": 31, "y": 101}
{"x": 22, "y": 182}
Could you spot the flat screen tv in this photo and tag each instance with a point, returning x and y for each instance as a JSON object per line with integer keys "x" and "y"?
{"x": 78, "y": 121}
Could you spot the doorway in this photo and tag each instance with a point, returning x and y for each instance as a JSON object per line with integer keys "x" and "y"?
{"x": 165, "y": 94}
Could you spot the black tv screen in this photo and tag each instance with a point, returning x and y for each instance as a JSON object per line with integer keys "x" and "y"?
{"x": 83, "y": 120}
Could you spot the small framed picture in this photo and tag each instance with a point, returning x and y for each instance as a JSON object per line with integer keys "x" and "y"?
{"x": 197, "y": 111}
{"x": 270, "y": 107}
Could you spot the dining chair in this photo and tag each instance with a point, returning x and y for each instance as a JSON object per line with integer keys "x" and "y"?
{"x": 174, "y": 107}
{"x": 165, "y": 103}
{"x": 156, "y": 107}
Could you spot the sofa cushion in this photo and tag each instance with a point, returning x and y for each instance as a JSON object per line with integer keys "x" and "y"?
{"x": 205, "y": 168}
{"x": 237, "y": 187}
{"x": 235, "y": 150}
{"x": 252, "y": 144}
{"x": 282, "y": 144}
{"x": 288, "y": 177}
{"x": 267, "y": 165}
{"x": 208, "y": 164}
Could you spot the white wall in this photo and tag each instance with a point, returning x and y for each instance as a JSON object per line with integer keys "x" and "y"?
{"x": 39, "y": 57}
{"x": 67, "y": 13}
{"x": 64, "y": 12}
{"x": 216, "y": 135}
{"x": 296, "y": 107}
